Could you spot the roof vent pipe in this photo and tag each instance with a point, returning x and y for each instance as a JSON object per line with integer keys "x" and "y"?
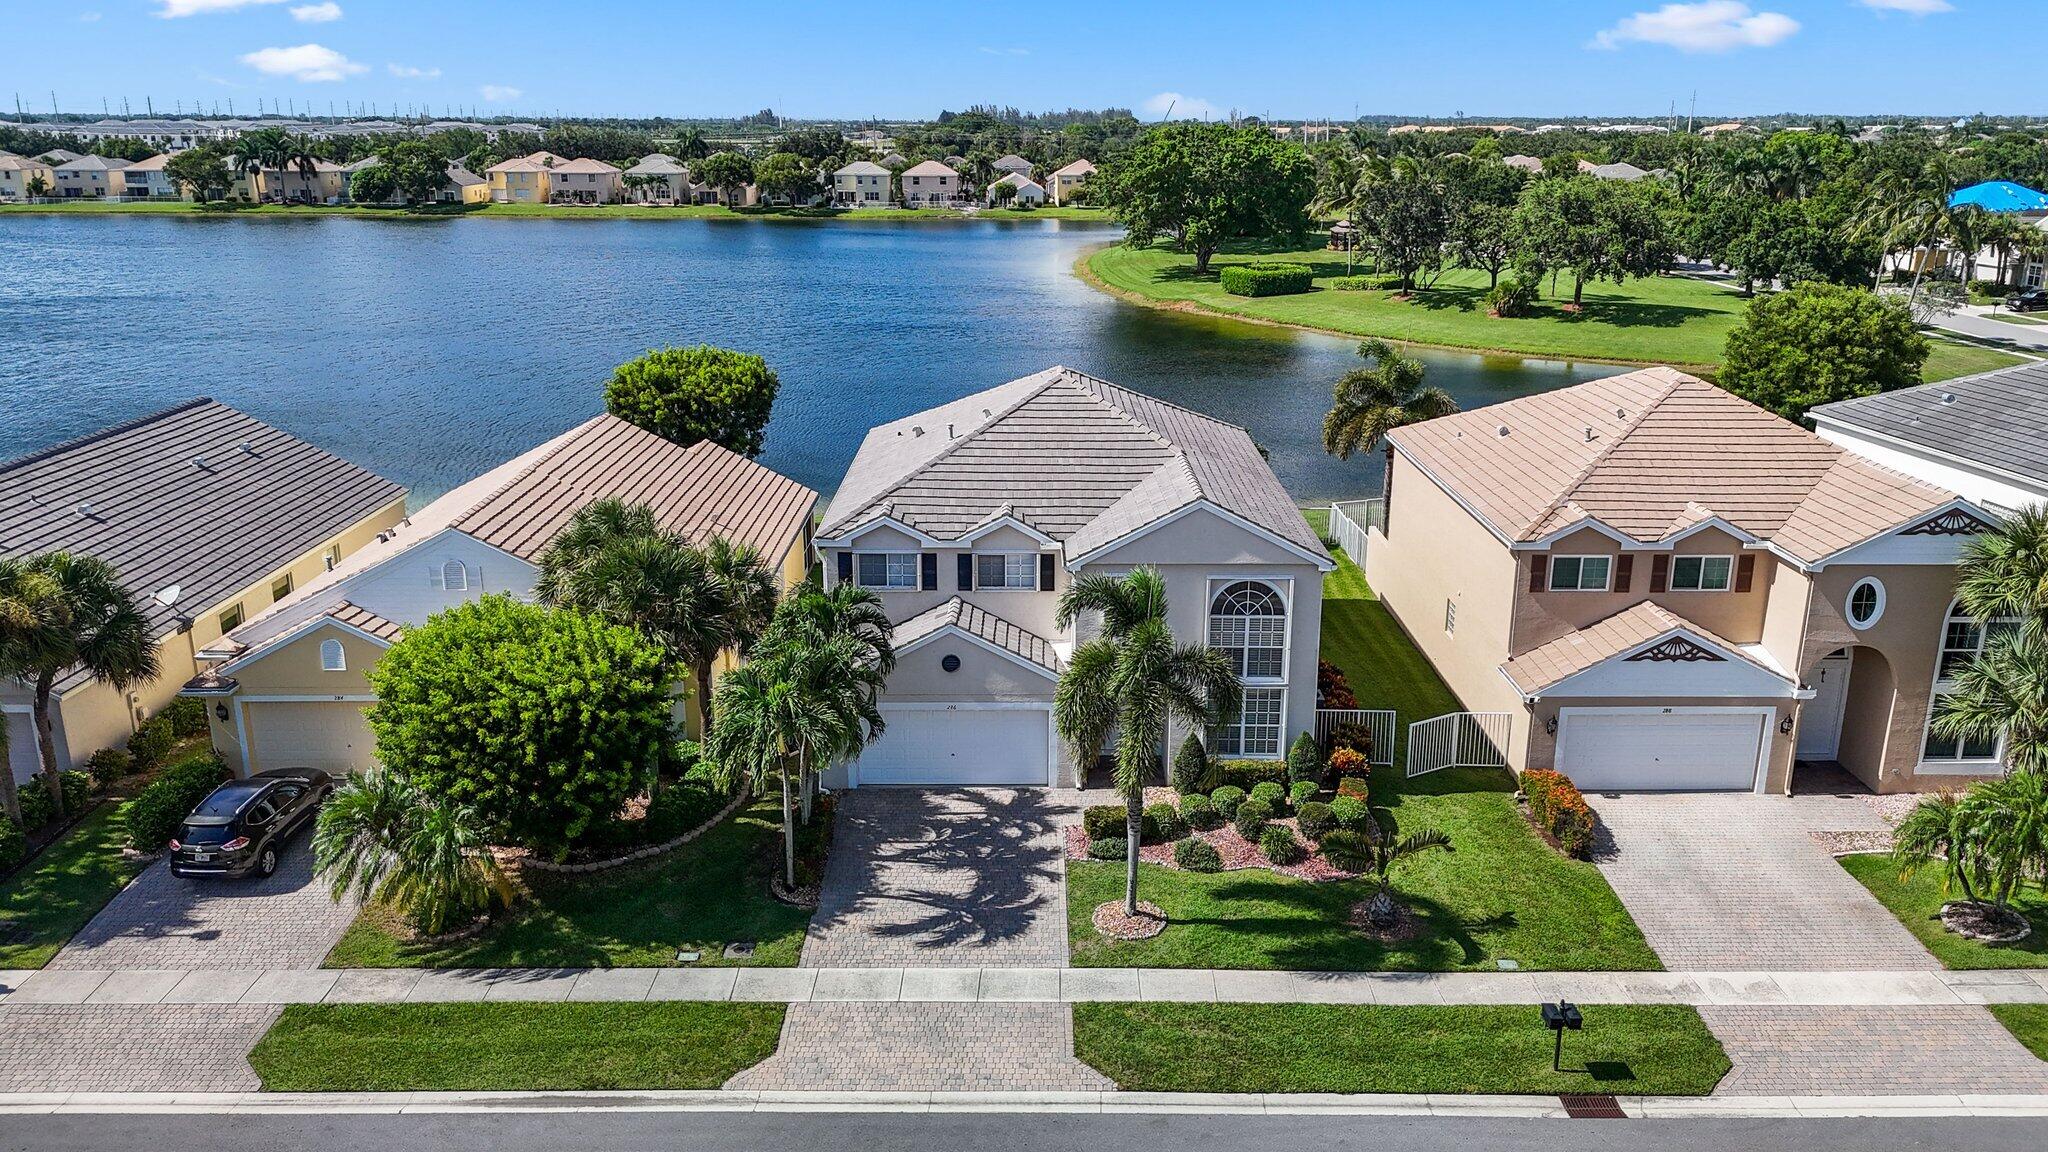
{"x": 1500, "y": 430}
{"x": 199, "y": 462}
{"x": 85, "y": 510}
{"x": 1589, "y": 433}
{"x": 949, "y": 431}
{"x": 1948, "y": 397}
{"x": 246, "y": 448}
{"x": 917, "y": 429}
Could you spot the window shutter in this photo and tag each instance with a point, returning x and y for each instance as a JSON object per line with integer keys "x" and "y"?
{"x": 966, "y": 575}
{"x": 1745, "y": 572}
{"x": 846, "y": 567}
{"x": 1045, "y": 572}
{"x": 1624, "y": 571}
{"x": 1660, "y": 572}
{"x": 929, "y": 562}
{"x": 1539, "y": 567}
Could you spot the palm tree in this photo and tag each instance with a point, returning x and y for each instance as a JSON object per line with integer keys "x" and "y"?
{"x": 2002, "y": 582}
{"x": 1991, "y": 840}
{"x": 27, "y": 604}
{"x": 2003, "y": 575}
{"x": 1341, "y": 189}
{"x": 1133, "y": 677}
{"x": 380, "y": 838}
{"x": 849, "y": 634}
{"x": 691, "y": 145}
{"x": 1909, "y": 208}
{"x": 1373, "y": 850}
{"x": 89, "y": 622}
{"x": 1367, "y": 403}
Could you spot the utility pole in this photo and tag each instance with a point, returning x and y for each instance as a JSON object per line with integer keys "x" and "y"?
{"x": 1692, "y": 110}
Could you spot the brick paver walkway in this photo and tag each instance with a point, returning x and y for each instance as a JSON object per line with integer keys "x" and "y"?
{"x": 925, "y": 1048}
{"x": 1862, "y": 1051}
{"x": 1737, "y": 882}
{"x": 105, "y": 1048}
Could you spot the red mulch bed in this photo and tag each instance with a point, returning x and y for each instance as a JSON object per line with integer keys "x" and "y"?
{"x": 1237, "y": 853}
{"x": 1111, "y": 920}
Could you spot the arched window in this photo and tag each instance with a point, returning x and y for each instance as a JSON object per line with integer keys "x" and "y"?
{"x": 332, "y": 658}
{"x": 1963, "y": 638}
{"x": 454, "y": 577}
{"x": 1248, "y": 623}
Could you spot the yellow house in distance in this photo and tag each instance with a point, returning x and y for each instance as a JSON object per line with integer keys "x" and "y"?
{"x": 523, "y": 179}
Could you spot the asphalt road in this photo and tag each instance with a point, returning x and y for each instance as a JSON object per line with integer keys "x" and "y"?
{"x": 881, "y": 1132}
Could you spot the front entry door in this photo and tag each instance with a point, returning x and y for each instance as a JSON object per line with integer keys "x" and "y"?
{"x": 1820, "y": 721}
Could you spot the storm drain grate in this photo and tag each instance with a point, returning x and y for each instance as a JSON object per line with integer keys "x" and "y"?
{"x": 1587, "y": 1106}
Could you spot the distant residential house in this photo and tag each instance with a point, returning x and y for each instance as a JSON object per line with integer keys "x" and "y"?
{"x": 2004, "y": 198}
{"x": 17, "y": 172}
{"x": 1984, "y": 437}
{"x": 1528, "y": 164}
{"x": 56, "y": 156}
{"x": 461, "y": 187}
{"x": 1062, "y": 185}
{"x": 861, "y": 184}
{"x": 931, "y": 184}
{"x": 583, "y": 181}
{"x": 523, "y": 179}
{"x": 895, "y": 160}
{"x": 657, "y": 179}
{"x": 89, "y": 176}
{"x": 1012, "y": 163}
{"x": 147, "y": 178}
{"x": 1617, "y": 171}
{"x": 1029, "y": 191}
{"x": 326, "y": 183}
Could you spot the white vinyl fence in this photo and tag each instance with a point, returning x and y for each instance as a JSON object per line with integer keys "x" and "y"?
{"x": 1379, "y": 722}
{"x": 1458, "y": 740}
{"x": 1349, "y": 523}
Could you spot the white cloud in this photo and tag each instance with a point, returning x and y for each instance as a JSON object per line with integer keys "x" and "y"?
{"x": 321, "y": 13}
{"x": 1182, "y": 107}
{"x": 408, "y": 72}
{"x": 1912, "y": 7}
{"x": 172, "y": 9}
{"x": 499, "y": 93}
{"x": 1707, "y": 26}
{"x": 308, "y": 63}
{"x": 988, "y": 51}
{"x": 89, "y": 17}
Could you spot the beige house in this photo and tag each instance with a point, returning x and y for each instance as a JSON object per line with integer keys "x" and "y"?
{"x": 1062, "y": 184}
{"x": 147, "y": 179}
{"x": 289, "y": 686}
{"x": 657, "y": 179}
{"x": 1664, "y": 587}
{"x": 584, "y": 182}
{"x": 89, "y": 176}
{"x": 209, "y": 515}
{"x": 17, "y": 172}
{"x": 968, "y": 521}
{"x": 1028, "y": 191}
{"x": 1010, "y": 163}
{"x": 930, "y": 185}
{"x": 861, "y": 184}
{"x": 523, "y": 179}
{"x": 325, "y": 183}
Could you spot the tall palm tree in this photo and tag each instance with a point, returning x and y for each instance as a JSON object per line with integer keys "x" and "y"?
{"x": 691, "y": 145}
{"x": 1909, "y": 208}
{"x": 1367, "y": 403}
{"x": 2003, "y": 575}
{"x": 849, "y": 633}
{"x": 1136, "y": 679}
{"x": 28, "y": 603}
{"x": 90, "y": 623}
{"x": 2002, "y": 582}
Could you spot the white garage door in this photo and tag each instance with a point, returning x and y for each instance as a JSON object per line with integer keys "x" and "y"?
{"x": 329, "y": 735}
{"x": 960, "y": 746}
{"x": 1610, "y": 750}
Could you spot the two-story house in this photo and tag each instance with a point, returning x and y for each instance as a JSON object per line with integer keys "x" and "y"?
{"x": 861, "y": 184}
{"x": 1668, "y": 588}
{"x": 17, "y": 173}
{"x": 657, "y": 178}
{"x": 90, "y": 176}
{"x": 523, "y": 179}
{"x": 289, "y": 686}
{"x": 930, "y": 185}
{"x": 1066, "y": 181}
{"x": 584, "y": 181}
{"x": 968, "y": 520}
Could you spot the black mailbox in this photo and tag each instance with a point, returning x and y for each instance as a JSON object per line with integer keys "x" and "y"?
{"x": 1560, "y": 1016}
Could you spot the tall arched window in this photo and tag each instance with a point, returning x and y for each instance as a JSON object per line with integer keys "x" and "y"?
{"x": 454, "y": 577}
{"x": 1248, "y": 623}
{"x": 332, "y": 658}
{"x": 1962, "y": 640}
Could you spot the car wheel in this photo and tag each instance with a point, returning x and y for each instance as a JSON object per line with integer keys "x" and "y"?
{"x": 266, "y": 864}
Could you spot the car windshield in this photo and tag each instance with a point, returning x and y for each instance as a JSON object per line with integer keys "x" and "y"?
{"x": 203, "y": 834}
{"x": 225, "y": 801}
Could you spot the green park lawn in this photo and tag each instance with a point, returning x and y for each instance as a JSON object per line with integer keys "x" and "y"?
{"x": 64, "y": 887}
{"x": 702, "y": 896}
{"x": 1917, "y": 903}
{"x": 1626, "y": 1050}
{"x": 1674, "y": 320}
{"x": 512, "y": 1047}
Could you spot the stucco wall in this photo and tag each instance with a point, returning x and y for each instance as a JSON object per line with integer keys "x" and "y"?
{"x": 1541, "y": 617}
{"x": 1542, "y": 745}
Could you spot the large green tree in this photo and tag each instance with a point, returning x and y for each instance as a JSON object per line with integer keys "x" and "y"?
{"x": 202, "y": 172}
{"x": 1406, "y": 221}
{"x": 729, "y": 172}
{"x": 1202, "y": 185}
{"x": 417, "y": 170}
{"x": 786, "y": 174}
{"x": 1595, "y": 229}
{"x": 1819, "y": 342}
{"x": 700, "y": 393}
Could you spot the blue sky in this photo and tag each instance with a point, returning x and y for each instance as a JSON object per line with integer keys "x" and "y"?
{"x": 1291, "y": 59}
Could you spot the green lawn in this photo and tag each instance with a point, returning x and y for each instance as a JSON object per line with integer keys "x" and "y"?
{"x": 597, "y": 211}
{"x": 1385, "y": 668}
{"x": 2028, "y": 1023}
{"x": 704, "y": 895}
{"x": 62, "y": 889}
{"x": 1917, "y": 903}
{"x": 1656, "y": 1050}
{"x": 512, "y": 1047}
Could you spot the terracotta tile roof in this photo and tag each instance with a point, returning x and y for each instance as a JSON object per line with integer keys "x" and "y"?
{"x": 981, "y": 624}
{"x": 364, "y": 620}
{"x": 861, "y": 168}
{"x": 1081, "y": 459}
{"x": 581, "y": 164}
{"x": 1648, "y": 453}
{"x": 1631, "y": 628}
{"x": 1077, "y": 168}
{"x": 930, "y": 168}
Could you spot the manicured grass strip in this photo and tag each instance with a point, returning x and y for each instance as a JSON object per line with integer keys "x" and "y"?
{"x": 64, "y": 887}
{"x": 1385, "y": 668}
{"x": 2028, "y": 1024}
{"x": 1948, "y": 359}
{"x": 1917, "y": 903}
{"x": 512, "y": 1047}
{"x": 1660, "y": 1050}
{"x": 707, "y": 894}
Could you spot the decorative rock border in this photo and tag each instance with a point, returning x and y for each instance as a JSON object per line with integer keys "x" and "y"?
{"x": 638, "y": 854}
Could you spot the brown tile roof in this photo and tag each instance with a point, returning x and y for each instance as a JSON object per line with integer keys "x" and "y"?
{"x": 1631, "y": 628}
{"x": 1648, "y": 453}
{"x": 364, "y": 620}
{"x": 981, "y": 624}
{"x": 340, "y": 612}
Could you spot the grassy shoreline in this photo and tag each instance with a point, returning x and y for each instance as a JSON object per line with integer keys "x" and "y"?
{"x": 545, "y": 211}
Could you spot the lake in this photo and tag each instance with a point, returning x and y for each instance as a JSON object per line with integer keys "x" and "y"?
{"x": 429, "y": 350}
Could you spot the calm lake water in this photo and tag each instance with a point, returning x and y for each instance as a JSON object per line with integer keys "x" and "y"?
{"x": 429, "y": 350}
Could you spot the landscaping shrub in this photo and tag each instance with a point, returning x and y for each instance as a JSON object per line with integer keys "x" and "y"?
{"x": 1109, "y": 848}
{"x": 1356, "y": 737}
{"x": 1190, "y": 765}
{"x": 1226, "y": 799}
{"x": 156, "y": 812}
{"x": 1333, "y": 688}
{"x": 1102, "y": 820}
{"x": 1349, "y": 762}
{"x": 1197, "y": 813}
{"x": 186, "y": 716}
{"x": 1350, "y": 813}
{"x": 1302, "y": 793}
{"x": 151, "y": 743}
{"x": 1304, "y": 761}
{"x": 1197, "y": 856}
{"x": 109, "y": 764}
{"x": 1270, "y": 279}
{"x": 1510, "y": 298}
{"x": 1364, "y": 283}
{"x": 1271, "y": 795}
{"x": 1280, "y": 846}
{"x": 1163, "y": 824}
{"x": 1251, "y": 819}
{"x": 1558, "y": 808}
{"x": 36, "y": 809}
{"x": 1355, "y": 787}
{"x": 14, "y": 844}
{"x": 1247, "y": 773}
{"x": 78, "y": 788}
{"x": 1315, "y": 819}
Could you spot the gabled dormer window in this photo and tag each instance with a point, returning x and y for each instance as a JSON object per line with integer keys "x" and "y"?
{"x": 1006, "y": 570}
{"x": 1580, "y": 573}
{"x": 896, "y": 570}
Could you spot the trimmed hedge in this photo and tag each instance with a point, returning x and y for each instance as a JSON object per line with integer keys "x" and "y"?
{"x": 1350, "y": 813}
{"x": 1280, "y": 846}
{"x": 14, "y": 844}
{"x": 1197, "y": 856}
{"x": 186, "y": 716}
{"x": 1315, "y": 819}
{"x": 1271, "y": 795}
{"x": 1163, "y": 824}
{"x": 1248, "y": 774}
{"x": 1103, "y": 820}
{"x": 1190, "y": 765}
{"x": 1355, "y": 787}
{"x": 1197, "y": 813}
{"x": 1304, "y": 761}
{"x": 1251, "y": 819}
{"x": 1559, "y": 809}
{"x": 109, "y": 764}
{"x": 157, "y": 811}
{"x": 1268, "y": 279}
{"x": 1227, "y": 800}
{"x": 1302, "y": 793}
{"x": 1109, "y": 848}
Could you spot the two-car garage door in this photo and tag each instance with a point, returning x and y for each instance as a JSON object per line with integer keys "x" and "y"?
{"x": 961, "y": 746}
{"x": 1662, "y": 749}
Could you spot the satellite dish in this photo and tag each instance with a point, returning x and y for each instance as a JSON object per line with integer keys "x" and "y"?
{"x": 168, "y": 596}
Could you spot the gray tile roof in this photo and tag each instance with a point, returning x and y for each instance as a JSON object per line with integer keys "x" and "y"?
{"x": 1080, "y": 459}
{"x": 1997, "y": 419}
{"x": 201, "y": 496}
{"x": 981, "y": 624}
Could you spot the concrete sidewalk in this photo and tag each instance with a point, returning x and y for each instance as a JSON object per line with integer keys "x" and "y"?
{"x": 1017, "y": 986}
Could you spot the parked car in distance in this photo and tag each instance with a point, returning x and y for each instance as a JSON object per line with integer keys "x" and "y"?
{"x": 2028, "y": 300}
{"x": 241, "y": 827}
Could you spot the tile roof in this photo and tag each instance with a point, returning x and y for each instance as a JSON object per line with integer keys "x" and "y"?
{"x": 1651, "y": 452}
{"x": 581, "y": 164}
{"x": 152, "y": 164}
{"x": 201, "y": 496}
{"x": 1629, "y": 629}
{"x": 1019, "y": 181}
{"x": 92, "y": 164}
{"x": 658, "y": 164}
{"x": 1010, "y": 160}
{"x": 861, "y": 168}
{"x": 364, "y": 620}
{"x": 338, "y": 612}
{"x": 929, "y": 168}
{"x": 1080, "y": 459}
{"x": 1997, "y": 419}
{"x": 981, "y": 624}
{"x": 1077, "y": 168}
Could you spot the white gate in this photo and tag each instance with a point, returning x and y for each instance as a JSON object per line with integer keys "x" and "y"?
{"x": 1377, "y": 721}
{"x": 1458, "y": 740}
{"x": 1350, "y": 522}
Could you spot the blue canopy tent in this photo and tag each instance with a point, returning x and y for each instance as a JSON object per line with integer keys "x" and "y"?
{"x": 2000, "y": 196}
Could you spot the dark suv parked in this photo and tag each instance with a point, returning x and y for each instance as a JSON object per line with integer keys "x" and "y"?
{"x": 2028, "y": 300}
{"x": 241, "y": 827}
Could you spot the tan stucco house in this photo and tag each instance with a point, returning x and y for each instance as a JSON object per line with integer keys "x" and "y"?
{"x": 930, "y": 185}
{"x": 583, "y": 181}
{"x": 90, "y": 176}
{"x": 147, "y": 178}
{"x": 523, "y": 179}
{"x": 1665, "y": 587}
{"x": 861, "y": 184}
{"x": 289, "y": 686}
{"x": 1067, "y": 180}
{"x": 16, "y": 172}
{"x": 968, "y": 520}
{"x": 209, "y": 515}
{"x": 656, "y": 178}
